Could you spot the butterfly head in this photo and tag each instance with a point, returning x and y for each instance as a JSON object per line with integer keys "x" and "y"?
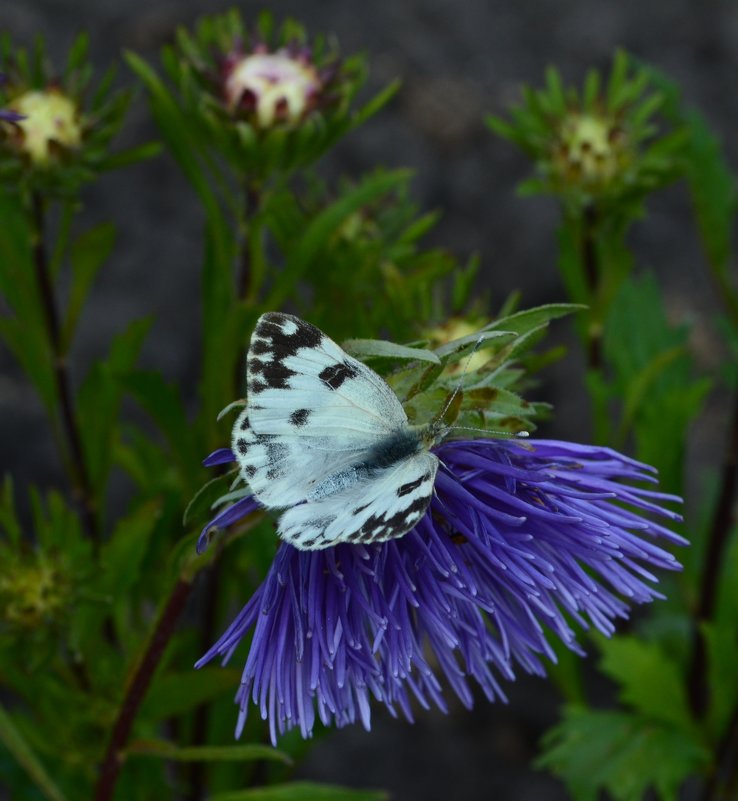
{"x": 434, "y": 433}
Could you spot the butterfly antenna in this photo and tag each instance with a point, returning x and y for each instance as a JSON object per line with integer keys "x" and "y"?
{"x": 461, "y": 378}
{"x": 519, "y": 434}
{"x": 477, "y": 344}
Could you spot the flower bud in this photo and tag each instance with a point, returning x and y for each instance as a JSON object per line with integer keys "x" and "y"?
{"x": 590, "y": 150}
{"x": 279, "y": 87}
{"x": 47, "y": 118}
{"x": 32, "y": 594}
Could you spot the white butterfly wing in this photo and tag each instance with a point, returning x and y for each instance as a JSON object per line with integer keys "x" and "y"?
{"x": 311, "y": 410}
{"x": 377, "y": 508}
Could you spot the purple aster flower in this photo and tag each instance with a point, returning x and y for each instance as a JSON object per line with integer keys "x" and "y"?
{"x": 520, "y": 537}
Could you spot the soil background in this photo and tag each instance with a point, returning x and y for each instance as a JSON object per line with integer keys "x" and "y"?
{"x": 458, "y": 61}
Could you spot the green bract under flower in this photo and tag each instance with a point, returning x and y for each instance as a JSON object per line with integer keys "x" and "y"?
{"x": 598, "y": 145}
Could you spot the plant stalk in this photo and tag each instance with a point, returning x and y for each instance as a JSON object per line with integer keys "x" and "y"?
{"x": 137, "y": 688}
{"x": 80, "y": 480}
{"x": 592, "y": 278}
{"x": 720, "y": 528}
{"x": 252, "y": 201}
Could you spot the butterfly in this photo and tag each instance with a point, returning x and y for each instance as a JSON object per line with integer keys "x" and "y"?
{"x": 324, "y": 438}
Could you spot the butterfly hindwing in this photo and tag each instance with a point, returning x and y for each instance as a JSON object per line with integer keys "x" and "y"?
{"x": 380, "y": 506}
{"x": 311, "y": 411}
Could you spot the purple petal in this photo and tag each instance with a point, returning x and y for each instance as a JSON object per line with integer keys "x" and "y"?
{"x": 520, "y": 539}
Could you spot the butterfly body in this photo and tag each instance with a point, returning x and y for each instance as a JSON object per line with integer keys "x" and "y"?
{"x": 324, "y": 438}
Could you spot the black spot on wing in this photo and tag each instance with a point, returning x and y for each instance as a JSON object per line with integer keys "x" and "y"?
{"x": 411, "y": 486}
{"x": 255, "y": 386}
{"x": 242, "y": 446}
{"x": 299, "y": 417}
{"x": 336, "y": 374}
{"x": 274, "y": 374}
{"x": 244, "y": 425}
{"x": 283, "y": 335}
{"x": 377, "y": 527}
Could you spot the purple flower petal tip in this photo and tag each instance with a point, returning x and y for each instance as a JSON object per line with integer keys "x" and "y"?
{"x": 221, "y": 456}
{"x": 520, "y": 539}
{"x": 11, "y": 116}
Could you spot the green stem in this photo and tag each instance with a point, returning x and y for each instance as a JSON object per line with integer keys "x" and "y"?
{"x": 722, "y": 783}
{"x": 247, "y": 283}
{"x": 137, "y": 688}
{"x": 80, "y": 480}
{"x": 246, "y": 286}
{"x": 592, "y": 278}
{"x": 723, "y": 520}
{"x": 196, "y": 781}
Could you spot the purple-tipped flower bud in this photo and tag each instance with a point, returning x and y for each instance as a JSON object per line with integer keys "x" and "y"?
{"x": 280, "y": 87}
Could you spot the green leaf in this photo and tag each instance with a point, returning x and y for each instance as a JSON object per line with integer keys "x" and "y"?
{"x": 380, "y": 348}
{"x": 121, "y": 556}
{"x": 176, "y": 130}
{"x": 206, "y": 753}
{"x": 173, "y": 694}
{"x": 100, "y": 397}
{"x": 88, "y": 254}
{"x": 722, "y": 658}
{"x": 162, "y": 401}
{"x": 301, "y": 791}
{"x": 458, "y": 348}
{"x": 592, "y": 750}
{"x": 132, "y": 155}
{"x": 524, "y": 321}
{"x": 376, "y": 103}
{"x": 305, "y": 251}
{"x": 203, "y": 500}
{"x": 650, "y": 680}
{"x": 14, "y": 741}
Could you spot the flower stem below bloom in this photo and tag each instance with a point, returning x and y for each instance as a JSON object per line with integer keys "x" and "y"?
{"x": 81, "y": 484}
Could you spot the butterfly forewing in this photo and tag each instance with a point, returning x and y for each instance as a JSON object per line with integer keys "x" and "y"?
{"x": 311, "y": 411}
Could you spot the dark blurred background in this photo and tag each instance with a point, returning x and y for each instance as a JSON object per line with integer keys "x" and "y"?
{"x": 458, "y": 61}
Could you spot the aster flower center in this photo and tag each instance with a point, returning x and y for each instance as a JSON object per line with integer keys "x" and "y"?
{"x": 47, "y": 116}
{"x": 589, "y": 149}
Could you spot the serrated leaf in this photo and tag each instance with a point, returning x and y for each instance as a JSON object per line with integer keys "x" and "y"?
{"x": 301, "y": 791}
{"x": 650, "y": 680}
{"x": 14, "y": 741}
{"x": 592, "y": 750}
{"x": 380, "y": 348}
{"x": 162, "y": 749}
